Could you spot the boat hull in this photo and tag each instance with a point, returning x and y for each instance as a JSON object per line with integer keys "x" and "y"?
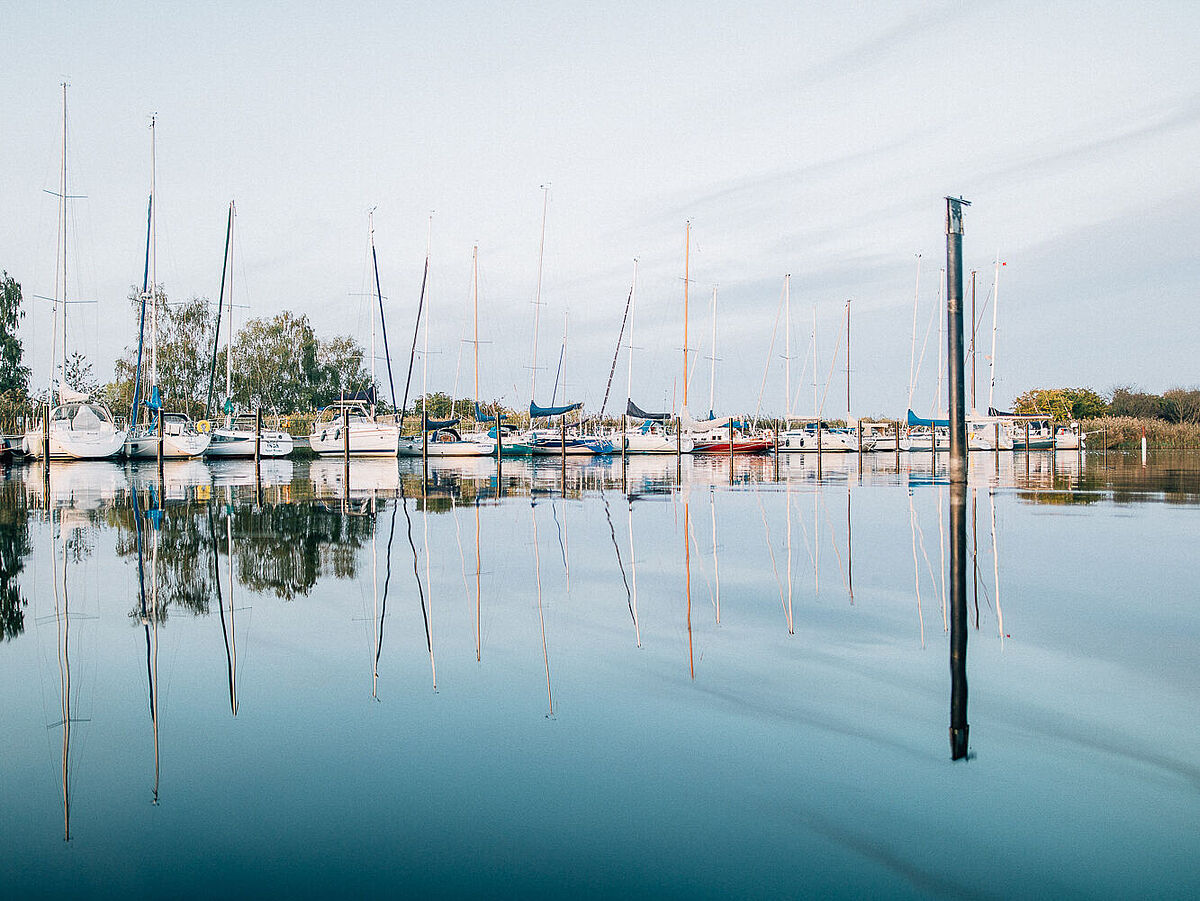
{"x": 101, "y": 445}
{"x": 240, "y": 443}
{"x": 175, "y": 447}
{"x": 366, "y": 439}
{"x": 415, "y": 446}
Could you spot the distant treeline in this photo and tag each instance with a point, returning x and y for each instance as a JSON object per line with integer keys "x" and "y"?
{"x": 1179, "y": 405}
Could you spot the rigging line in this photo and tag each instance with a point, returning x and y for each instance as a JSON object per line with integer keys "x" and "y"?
{"x": 613, "y": 533}
{"x": 417, "y": 574}
{"x": 383, "y": 319}
{"x": 637, "y": 629}
{"x": 924, "y": 344}
{"x": 832, "y": 363}
{"x": 774, "y": 566}
{"x": 766, "y": 366}
{"x": 912, "y": 525}
{"x": 412, "y": 356}
{"x": 913, "y": 353}
{"x": 703, "y": 571}
{"x": 212, "y": 369}
{"x": 616, "y": 354}
{"x": 562, "y": 547}
{"x": 387, "y": 578}
{"x": 137, "y": 378}
{"x": 928, "y": 565}
{"x": 212, "y": 532}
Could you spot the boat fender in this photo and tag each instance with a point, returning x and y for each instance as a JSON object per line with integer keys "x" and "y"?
{"x": 203, "y": 426}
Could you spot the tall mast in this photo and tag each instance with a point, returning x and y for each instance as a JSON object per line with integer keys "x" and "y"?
{"x": 687, "y": 245}
{"x": 912, "y": 357}
{"x": 425, "y": 353}
{"x": 371, "y": 239}
{"x": 787, "y": 348}
{"x": 816, "y": 411}
{"x": 212, "y": 368}
{"x": 537, "y": 297}
{"x": 712, "y": 372}
{"x": 63, "y": 207}
{"x": 387, "y": 355}
{"x": 632, "y": 298}
{"x": 475, "y": 293}
{"x": 229, "y": 337}
{"x": 941, "y": 339}
{"x": 153, "y": 260}
{"x": 847, "y": 362}
{"x": 995, "y": 306}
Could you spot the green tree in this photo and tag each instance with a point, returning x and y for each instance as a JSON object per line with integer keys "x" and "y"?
{"x": 1061, "y": 403}
{"x": 184, "y": 338}
{"x": 342, "y": 371}
{"x": 277, "y": 364}
{"x": 14, "y": 377}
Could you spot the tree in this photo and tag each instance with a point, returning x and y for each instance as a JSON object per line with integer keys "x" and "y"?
{"x": 1061, "y": 403}
{"x": 342, "y": 371}
{"x": 14, "y": 377}
{"x": 278, "y": 366}
{"x": 184, "y": 339}
{"x": 1128, "y": 401}
{"x": 1182, "y": 405}
{"x": 78, "y": 374}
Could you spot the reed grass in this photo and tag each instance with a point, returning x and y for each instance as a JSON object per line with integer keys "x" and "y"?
{"x": 1126, "y": 432}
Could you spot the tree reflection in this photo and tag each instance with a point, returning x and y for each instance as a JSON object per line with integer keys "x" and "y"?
{"x": 15, "y": 546}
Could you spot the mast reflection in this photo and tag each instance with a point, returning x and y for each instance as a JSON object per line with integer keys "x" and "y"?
{"x": 959, "y": 729}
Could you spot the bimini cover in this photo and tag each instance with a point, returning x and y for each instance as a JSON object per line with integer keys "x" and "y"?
{"x": 432, "y": 425}
{"x": 632, "y": 409}
{"x": 480, "y": 416}
{"x": 536, "y": 412}
{"x": 914, "y": 419}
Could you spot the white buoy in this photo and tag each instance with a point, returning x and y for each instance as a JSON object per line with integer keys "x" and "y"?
{"x": 1143, "y": 445}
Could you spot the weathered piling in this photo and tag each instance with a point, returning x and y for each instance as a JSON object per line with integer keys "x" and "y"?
{"x": 346, "y": 435}
{"x": 896, "y": 431}
{"x": 954, "y": 323}
{"x": 959, "y": 730}
{"x": 257, "y": 435}
{"x": 46, "y": 438}
{"x": 160, "y": 439}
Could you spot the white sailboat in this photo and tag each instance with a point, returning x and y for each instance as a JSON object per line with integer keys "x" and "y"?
{"x": 239, "y": 436}
{"x": 77, "y": 428}
{"x": 350, "y": 425}
{"x": 179, "y": 437}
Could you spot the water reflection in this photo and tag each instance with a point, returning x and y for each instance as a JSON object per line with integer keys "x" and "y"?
{"x": 845, "y": 667}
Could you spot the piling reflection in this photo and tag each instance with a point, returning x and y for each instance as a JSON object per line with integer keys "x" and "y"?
{"x": 959, "y": 729}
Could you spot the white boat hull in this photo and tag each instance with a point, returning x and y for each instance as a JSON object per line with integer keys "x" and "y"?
{"x": 638, "y": 443}
{"x": 415, "y": 446}
{"x": 366, "y": 439}
{"x": 240, "y": 443}
{"x": 76, "y": 445}
{"x": 175, "y": 447}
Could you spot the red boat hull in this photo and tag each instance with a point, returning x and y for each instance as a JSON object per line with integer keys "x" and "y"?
{"x": 743, "y": 446}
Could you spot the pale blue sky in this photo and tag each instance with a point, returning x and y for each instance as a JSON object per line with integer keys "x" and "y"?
{"x": 797, "y": 138}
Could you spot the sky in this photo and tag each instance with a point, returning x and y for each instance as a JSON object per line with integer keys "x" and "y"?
{"x": 812, "y": 140}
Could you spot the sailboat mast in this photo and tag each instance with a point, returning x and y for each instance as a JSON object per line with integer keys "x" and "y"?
{"x": 912, "y": 357}
{"x": 475, "y": 293}
{"x": 816, "y": 411}
{"x": 425, "y": 352}
{"x": 63, "y": 207}
{"x": 153, "y": 259}
{"x": 995, "y": 306}
{"x": 847, "y": 362}
{"x": 687, "y": 245}
{"x": 229, "y": 337}
{"x": 712, "y": 371}
{"x": 371, "y": 240}
{"x": 537, "y": 296}
{"x": 787, "y": 349}
{"x": 973, "y": 323}
{"x": 629, "y": 375}
{"x": 212, "y": 369}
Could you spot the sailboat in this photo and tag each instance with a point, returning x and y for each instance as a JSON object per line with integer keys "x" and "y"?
{"x": 710, "y": 435}
{"x": 440, "y": 438}
{"x": 179, "y": 437}
{"x": 816, "y": 435}
{"x": 239, "y": 436}
{"x": 367, "y": 435}
{"x": 79, "y": 428}
{"x": 652, "y": 435}
{"x": 550, "y": 441}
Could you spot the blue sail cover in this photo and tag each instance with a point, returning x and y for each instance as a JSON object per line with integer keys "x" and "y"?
{"x": 536, "y": 412}
{"x": 914, "y": 419}
{"x": 480, "y": 416}
{"x": 432, "y": 425}
{"x": 155, "y": 401}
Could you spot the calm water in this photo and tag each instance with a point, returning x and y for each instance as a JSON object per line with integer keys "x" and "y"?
{"x": 662, "y": 682}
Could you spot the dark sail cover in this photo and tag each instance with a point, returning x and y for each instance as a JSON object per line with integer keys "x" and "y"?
{"x": 536, "y": 412}
{"x": 992, "y": 411}
{"x": 632, "y": 409}
{"x": 432, "y": 425}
